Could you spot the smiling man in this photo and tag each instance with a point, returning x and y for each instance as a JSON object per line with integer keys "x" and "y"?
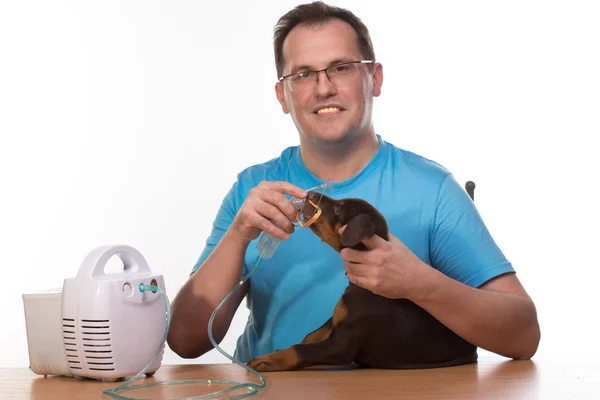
{"x": 440, "y": 254}
{"x": 328, "y": 89}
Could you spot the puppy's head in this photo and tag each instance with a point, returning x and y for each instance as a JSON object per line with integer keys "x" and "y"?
{"x": 362, "y": 221}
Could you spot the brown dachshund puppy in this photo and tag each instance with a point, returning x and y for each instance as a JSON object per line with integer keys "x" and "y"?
{"x": 367, "y": 329}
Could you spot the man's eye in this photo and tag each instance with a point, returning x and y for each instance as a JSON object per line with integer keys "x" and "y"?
{"x": 303, "y": 75}
{"x": 341, "y": 68}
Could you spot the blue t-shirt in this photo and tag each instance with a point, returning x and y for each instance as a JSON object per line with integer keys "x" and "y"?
{"x": 295, "y": 291}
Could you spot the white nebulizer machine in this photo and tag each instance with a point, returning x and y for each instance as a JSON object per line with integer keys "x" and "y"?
{"x": 99, "y": 326}
{"x": 108, "y": 325}
{"x": 114, "y": 326}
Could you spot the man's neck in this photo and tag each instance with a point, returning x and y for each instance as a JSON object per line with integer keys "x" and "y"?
{"x": 339, "y": 161}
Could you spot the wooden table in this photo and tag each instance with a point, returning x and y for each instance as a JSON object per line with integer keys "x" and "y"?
{"x": 490, "y": 378}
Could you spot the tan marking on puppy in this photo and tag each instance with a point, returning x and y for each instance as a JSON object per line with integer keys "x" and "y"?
{"x": 340, "y": 312}
{"x": 317, "y": 336}
{"x": 329, "y": 234}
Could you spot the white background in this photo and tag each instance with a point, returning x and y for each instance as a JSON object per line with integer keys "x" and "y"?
{"x": 126, "y": 122}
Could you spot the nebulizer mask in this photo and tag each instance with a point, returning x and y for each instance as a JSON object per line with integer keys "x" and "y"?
{"x": 308, "y": 211}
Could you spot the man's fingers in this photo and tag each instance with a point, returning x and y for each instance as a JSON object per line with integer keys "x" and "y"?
{"x": 278, "y": 200}
{"x": 274, "y": 191}
{"x": 272, "y": 213}
{"x": 354, "y": 256}
{"x": 355, "y": 268}
{"x": 358, "y": 280}
{"x": 269, "y": 227}
{"x": 285, "y": 188}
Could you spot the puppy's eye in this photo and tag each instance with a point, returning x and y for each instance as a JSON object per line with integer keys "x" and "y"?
{"x": 336, "y": 208}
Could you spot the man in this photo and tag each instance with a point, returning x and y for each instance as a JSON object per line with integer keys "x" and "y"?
{"x": 440, "y": 254}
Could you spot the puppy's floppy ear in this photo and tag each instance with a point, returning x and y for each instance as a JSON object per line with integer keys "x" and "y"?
{"x": 358, "y": 228}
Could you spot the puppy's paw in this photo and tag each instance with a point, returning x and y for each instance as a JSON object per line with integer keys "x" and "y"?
{"x": 273, "y": 362}
{"x": 262, "y": 364}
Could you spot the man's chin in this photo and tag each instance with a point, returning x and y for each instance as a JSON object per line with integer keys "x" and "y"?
{"x": 328, "y": 140}
{"x": 333, "y": 137}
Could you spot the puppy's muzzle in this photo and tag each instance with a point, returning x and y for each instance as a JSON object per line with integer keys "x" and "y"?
{"x": 301, "y": 215}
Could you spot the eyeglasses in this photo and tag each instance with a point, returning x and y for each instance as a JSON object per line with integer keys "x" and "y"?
{"x": 340, "y": 74}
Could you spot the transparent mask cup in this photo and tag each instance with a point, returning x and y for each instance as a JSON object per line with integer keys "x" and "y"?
{"x": 307, "y": 213}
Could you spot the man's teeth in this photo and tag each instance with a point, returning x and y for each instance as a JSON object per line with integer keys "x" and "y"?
{"x": 328, "y": 110}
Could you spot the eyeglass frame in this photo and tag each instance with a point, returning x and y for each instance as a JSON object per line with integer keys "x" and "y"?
{"x": 317, "y": 72}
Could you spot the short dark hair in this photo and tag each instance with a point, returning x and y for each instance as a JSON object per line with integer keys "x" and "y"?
{"x": 313, "y": 14}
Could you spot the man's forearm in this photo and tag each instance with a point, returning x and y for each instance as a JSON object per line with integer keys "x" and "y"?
{"x": 201, "y": 294}
{"x": 503, "y": 323}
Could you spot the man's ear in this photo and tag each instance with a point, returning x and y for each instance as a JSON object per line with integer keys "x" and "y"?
{"x": 281, "y": 97}
{"x": 358, "y": 228}
{"x": 377, "y": 79}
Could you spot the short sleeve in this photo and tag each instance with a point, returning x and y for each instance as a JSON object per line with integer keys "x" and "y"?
{"x": 461, "y": 245}
{"x": 225, "y": 215}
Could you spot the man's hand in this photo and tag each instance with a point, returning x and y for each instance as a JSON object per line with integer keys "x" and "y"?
{"x": 387, "y": 268}
{"x": 264, "y": 205}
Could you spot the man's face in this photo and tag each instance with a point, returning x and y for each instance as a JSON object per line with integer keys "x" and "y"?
{"x": 347, "y": 107}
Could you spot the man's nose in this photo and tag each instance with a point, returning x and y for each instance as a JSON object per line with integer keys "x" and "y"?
{"x": 324, "y": 87}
